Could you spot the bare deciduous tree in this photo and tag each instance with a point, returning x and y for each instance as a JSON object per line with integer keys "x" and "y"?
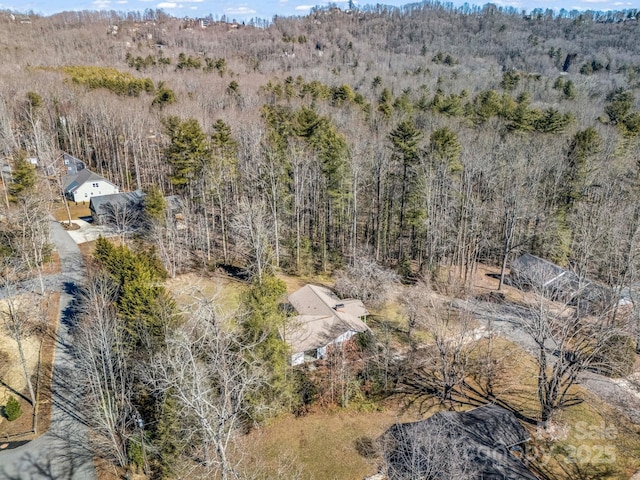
{"x": 566, "y": 343}
{"x": 366, "y": 280}
{"x": 104, "y": 372}
{"x": 210, "y": 375}
{"x": 31, "y": 220}
{"x": 440, "y": 367}
{"x": 253, "y": 234}
{"x": 16, "y": 319}
{"x": 124, "y": 217}
{"x": 417, "y": 450}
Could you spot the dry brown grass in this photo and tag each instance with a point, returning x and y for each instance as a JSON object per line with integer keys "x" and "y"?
{"x": 47, "y": 356}
{"x": 588, "y": 441}
{"x": 222, "y": 290}
{"x": 321, "y": 444}
{"x": 294, "y": 283}
{"x": 77, "y": 210}
{"x": 86, "y": 249}
{"x": 39, "y": 350}
{"x": 53, "y": 265}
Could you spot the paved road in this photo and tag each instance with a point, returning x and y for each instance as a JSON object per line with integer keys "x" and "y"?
{"x": 61, "y": 453}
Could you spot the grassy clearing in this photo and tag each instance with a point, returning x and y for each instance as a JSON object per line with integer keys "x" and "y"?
{"x": 588, "y": 441}
{"x": 224, "y": 291}
{"x": 77, "y": 210}
{"x": 322, "y": 444}
{"x": 293, "y": 282}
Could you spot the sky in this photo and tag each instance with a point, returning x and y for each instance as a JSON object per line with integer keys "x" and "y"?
{"x": 245, "y": 9}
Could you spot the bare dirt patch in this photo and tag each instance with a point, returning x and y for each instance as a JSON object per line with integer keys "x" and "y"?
{"x": 70, "y": 226}
{"x": 38, "y": 347}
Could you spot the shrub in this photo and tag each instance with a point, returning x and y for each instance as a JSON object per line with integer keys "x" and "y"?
{"x": 12, "y": 410}
{"x": 164, "y": 96}
{"x": 113, "y": 80}
{"x": 366, "y": 447}
{"x": 135, "y": 451}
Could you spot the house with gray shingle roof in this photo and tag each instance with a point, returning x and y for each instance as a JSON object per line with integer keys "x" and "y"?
{"x": 105, "y": 207}
{"x": 72, "y": 164}
{"x": 85, "y": 184}
{"x": 557, "y": 283}
{"x": 323, "y": 320}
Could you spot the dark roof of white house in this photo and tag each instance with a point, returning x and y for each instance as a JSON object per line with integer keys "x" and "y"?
{"x": 73, "y": 182}
{"x": 73, "y": 165}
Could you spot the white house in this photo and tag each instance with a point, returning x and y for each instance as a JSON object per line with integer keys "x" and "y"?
{"x": 86, "y": 184}
{"x": 323, "y": 320}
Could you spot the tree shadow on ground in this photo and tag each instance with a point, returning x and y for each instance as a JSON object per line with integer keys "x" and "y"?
{"x": 63, "y": 453}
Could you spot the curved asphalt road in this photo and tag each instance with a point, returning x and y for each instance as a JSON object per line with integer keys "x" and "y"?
{"x": 62, "y": 453}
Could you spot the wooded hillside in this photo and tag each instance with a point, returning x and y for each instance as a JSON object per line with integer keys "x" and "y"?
{"x": 418, "y": 144}
{"x": 426, "y": 134}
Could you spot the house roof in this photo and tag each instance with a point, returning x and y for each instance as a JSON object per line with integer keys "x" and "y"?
{"x": 73, "y": 182}
{"x": 536, "y": 271}
{"x": 540, "y": 272}
{"x": 99, "y": 204}
{"x": 315, "y": 300}
{"x": 74, "y": 165}
{"x": 482, "y": 438}
{"x": 322, "y": 317}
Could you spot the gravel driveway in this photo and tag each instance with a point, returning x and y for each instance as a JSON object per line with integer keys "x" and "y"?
{"x": 622, "y": 394}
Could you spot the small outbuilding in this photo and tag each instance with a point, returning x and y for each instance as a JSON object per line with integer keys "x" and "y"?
{"x": 323, "y": 320}
{"x": 529, "y": 271}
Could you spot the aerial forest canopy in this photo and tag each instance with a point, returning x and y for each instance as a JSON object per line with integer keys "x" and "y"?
{"x": 366, "y": 146}
{"x": 421, "y": 136}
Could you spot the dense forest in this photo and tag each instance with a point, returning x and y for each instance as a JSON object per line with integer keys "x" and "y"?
{"x": 412, "y": 141}
{"x": 425, "y": 135}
